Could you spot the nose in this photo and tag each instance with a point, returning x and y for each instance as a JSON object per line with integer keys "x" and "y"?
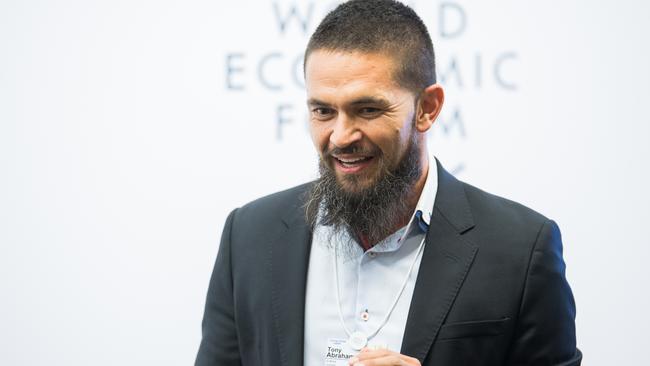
{"x": 344, "y": 132}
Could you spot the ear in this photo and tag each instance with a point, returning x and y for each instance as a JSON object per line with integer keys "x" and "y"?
{"x": 429, "y": 106}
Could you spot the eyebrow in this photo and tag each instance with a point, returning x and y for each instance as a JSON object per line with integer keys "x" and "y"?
{"x": 370, "y": 100}
{"x": 359, "y": 101}
{"x": 316, "y": 102}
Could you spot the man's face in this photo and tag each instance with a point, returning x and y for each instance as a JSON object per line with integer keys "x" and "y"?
{"x": 361, "y": 121}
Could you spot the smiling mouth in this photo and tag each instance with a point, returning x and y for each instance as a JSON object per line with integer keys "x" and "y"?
{"x": 352, "y": 164}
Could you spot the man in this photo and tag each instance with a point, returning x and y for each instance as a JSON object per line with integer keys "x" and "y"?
{"x": 386, "y": 259}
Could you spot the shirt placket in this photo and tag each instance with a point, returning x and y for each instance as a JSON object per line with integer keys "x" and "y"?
{"x": 367, "y": 323}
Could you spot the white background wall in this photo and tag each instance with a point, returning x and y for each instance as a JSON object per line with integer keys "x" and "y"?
{"x": 125, "y": 141}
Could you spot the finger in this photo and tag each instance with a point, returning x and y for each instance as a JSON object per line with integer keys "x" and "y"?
{"x": 367, "y": 354}
{"x": 377, "y": 346}
{"x": 368, "y": 358}
{"x": 411, "y": 361}
{"x": 392, "y": 359}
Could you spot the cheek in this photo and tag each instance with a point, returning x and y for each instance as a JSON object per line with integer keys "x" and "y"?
{"x": 319, "y": 137}
{"x": 405, "y": 132}
{"x": 392, "y": 142}
{"x": 387, "y": 140}
{"x": 398, "y": 128}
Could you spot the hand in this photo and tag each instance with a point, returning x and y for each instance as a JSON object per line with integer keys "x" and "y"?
{"x": 382, "y": 357}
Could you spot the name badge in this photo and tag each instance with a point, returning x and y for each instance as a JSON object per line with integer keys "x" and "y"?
{"x": 338, "y": 352}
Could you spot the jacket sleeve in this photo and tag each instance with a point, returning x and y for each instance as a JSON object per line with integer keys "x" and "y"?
{"x": 545, "y": 328}
{"x": 219, "y": 343}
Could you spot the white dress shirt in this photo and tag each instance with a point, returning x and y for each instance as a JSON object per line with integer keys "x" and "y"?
{"x": 369, "y": 283}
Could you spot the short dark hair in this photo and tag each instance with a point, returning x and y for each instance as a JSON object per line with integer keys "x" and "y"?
{"x": 380, "y": 26}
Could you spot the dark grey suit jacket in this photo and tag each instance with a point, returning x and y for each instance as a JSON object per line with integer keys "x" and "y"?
{"x": 491, "y": 288}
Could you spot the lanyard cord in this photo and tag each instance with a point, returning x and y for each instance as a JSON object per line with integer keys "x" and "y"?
{"x": 392, "y": 307}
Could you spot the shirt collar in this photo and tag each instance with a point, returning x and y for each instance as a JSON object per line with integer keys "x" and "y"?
{"x": 428, "y": 195}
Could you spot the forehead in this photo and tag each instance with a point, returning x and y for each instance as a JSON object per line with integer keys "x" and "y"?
{"x": 339, "y": 74}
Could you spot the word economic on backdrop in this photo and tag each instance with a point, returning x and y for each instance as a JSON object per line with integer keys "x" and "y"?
{"x": 472, "y": 71}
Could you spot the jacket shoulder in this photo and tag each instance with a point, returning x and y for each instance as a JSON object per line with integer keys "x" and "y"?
{"x": 490, "y": 209}
{"x": 275, "y": 205}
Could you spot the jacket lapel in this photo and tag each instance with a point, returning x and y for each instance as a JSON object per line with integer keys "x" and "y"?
{"x": 289, "y": 259}
{"x": 446, "y": 260}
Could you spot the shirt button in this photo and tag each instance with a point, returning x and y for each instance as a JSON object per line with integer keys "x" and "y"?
{"x": 372, "y": 254}
{"x": 365, "y": 316}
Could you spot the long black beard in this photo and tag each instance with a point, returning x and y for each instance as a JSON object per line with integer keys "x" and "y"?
{"x": 374, "y": 212}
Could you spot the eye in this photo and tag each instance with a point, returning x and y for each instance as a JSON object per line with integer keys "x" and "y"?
{"x": 322, "y": 113}
{"x": 370, "y": 112}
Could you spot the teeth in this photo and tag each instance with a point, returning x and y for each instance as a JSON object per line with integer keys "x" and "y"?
{"x": 350, "y": 161}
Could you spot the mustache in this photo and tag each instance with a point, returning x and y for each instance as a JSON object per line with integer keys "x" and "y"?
{"x": 351, "y": 149}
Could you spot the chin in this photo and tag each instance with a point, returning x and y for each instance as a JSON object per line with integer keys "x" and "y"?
{"x": 354, "y": 183}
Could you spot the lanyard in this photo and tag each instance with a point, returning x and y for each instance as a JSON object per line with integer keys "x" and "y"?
{"x": 357, "y": 340}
